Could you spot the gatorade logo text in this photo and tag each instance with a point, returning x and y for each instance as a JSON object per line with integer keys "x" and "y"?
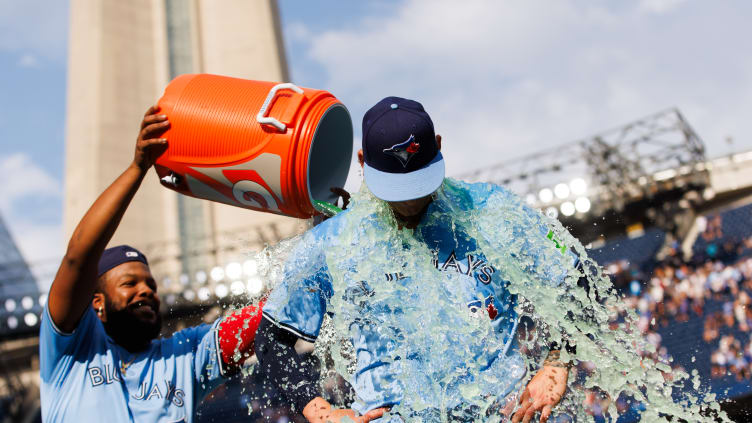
{"x": 253, "y": 194}
{"x": 255, "y": 183}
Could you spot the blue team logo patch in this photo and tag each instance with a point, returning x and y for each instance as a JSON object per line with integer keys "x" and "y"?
{"x": 404, "y": 151}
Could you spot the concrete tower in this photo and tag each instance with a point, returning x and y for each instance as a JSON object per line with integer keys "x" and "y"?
{"x": 121, "y": 56}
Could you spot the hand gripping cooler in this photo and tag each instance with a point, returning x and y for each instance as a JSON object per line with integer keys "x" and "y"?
{"x": 259, "y": 145}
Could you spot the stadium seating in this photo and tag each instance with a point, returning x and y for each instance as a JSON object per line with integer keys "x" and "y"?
{"x": 638, "y": 251}
{"x": 734, "y": 226}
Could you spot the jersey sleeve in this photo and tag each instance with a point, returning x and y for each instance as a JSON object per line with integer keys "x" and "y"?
{"x": 58, "y": 350}
{"x": 207, "y": 368}
{"x": 298, "y": 303}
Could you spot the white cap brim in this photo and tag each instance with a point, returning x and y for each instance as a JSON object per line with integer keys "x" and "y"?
{"x": 405, "y": 186}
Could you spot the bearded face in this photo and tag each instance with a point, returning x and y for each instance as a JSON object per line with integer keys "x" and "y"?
{"x": 138, "y": 320}
{"x": 130, "y": 305}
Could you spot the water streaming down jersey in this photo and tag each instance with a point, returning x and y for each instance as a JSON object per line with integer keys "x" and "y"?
{"x": 431, "y": 320}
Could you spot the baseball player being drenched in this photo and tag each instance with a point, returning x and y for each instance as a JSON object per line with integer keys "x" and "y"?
{"x": 351, "y": 257}
{"x": 100, "y": 359}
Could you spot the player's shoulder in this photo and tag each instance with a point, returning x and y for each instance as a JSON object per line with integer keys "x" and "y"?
{"x": 332, "y": 225}
{"x": 475, "y": 194}
{"x": 329, "y": 232}
{"x": 183, "y": 341}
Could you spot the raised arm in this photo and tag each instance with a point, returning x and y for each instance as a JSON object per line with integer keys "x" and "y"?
{"x": 76, "y": 279}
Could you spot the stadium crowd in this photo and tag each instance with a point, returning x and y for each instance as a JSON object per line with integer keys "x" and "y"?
{"x": 715, "y": 285}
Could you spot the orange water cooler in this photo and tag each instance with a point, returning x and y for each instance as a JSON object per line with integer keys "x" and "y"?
{"x": 259, "y": 145}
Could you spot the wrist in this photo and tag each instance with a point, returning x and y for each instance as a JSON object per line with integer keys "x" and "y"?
{"x": 554, "y": 360}
{"x": 557, "y": 365}
{"x": 138, "y": 167}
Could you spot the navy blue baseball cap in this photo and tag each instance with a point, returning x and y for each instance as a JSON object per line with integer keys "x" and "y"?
{"x": 116, "y": 256}
{"x": 402, "y": 160}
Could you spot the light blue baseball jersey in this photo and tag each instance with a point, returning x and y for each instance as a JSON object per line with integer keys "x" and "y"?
{"x": 299, "y": 303}
{"x": 82, "y": 379}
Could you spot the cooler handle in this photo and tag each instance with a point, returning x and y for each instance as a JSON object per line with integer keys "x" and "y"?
{"x": 261, "y": 116}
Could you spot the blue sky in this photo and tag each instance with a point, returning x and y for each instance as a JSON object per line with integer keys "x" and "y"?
{"x": 500, "y": 78}
{"x": 33, "y": 48}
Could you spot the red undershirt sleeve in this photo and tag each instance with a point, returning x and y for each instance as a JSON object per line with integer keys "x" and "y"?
{"x": 236, "y": 334}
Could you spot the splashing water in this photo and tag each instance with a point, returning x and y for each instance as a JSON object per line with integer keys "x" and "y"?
{"x": 449, "y": 363}
{"x": 583, "y": 316}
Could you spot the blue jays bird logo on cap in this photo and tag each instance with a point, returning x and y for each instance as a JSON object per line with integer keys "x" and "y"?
{"x": 404, "y": 151}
